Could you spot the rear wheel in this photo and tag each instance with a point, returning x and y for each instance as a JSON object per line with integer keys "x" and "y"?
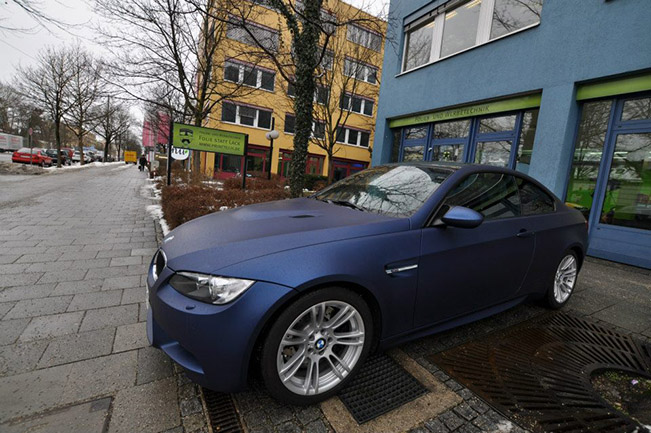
{"x": 316, "y": 346}
{"x": 564, "y": 281}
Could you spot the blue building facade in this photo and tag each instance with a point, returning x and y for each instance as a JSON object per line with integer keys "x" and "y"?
{"x": 559, "y": 89}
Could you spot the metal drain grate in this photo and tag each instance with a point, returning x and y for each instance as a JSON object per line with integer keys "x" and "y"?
{"x": 538, "y": 373}
{"x": 222, "y": 413}
{"x": 381, "y": 386}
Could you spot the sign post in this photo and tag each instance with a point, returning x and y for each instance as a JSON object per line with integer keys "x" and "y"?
{"x": 191, "y": 137}
{"x": 169, "y": 154}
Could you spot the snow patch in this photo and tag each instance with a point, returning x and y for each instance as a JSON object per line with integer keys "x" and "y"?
{"x": 156, "y": 212}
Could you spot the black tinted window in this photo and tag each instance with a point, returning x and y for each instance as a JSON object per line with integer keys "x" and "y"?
{"x": 494, "y": 195}
{"x": 534, "y": 200}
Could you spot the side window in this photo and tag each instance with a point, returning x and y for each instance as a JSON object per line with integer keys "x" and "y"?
{"x": 494, "y": 195}
{"x": 534, "y": 201}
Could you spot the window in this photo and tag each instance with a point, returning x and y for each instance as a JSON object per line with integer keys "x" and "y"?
{"x": 364, "y": 37}
{"x": 533, "y": 200}
{"x": 321, "y": 94}
{"x": 360, "y": 71}
{"x": 342, "y": 168}
{"x": 246, "y": 115}
{"x": 249, "y": 75}
{"x": 494, "y": 195}
{"x": 525, "y": 145}
{"x": 464, "y": 26}
{"x": 318, "y": 128}
{"x": 265, "y": 37}
{"x": 314, "y": 164}
{"x": 353, "y": 137}
{"x": 356, "y": 104}
{"x": 328, "y": 60}
{"x": 512, "y": 15}
{"x": 328, "y": 19}
{"x": 588, "y": 150}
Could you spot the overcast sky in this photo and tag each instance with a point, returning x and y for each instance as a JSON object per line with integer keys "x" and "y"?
{"x": 22, "y": 47}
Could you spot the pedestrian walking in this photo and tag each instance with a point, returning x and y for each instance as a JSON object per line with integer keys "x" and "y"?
{"x": 143, "y": 162}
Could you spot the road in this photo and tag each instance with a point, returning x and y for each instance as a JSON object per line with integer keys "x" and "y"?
{"x": 74, "y": 252}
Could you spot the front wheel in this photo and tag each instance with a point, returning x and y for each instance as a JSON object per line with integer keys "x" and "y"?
{"x": 564, "y": 281}
{"x": 316, "y": 346}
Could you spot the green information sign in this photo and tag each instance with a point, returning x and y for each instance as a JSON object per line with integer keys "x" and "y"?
{"x": 207, "y": 139}
{"x": 519, "y": 103}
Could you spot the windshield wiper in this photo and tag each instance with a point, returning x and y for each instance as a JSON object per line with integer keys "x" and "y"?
{"x": 345, "y": 203}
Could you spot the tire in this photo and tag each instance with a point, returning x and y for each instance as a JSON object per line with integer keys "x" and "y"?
{"x": 330, "y": 363}
{"x": 563, "y": 282}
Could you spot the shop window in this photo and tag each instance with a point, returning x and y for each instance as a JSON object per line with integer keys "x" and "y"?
{"x": 494, "y": 195}
{"x": 488, "y": 125}
{"x": 416, "y": 133}
{"x": 525, "y": 144}
{"x": 413, "y": 153}
{"x": 342, "y": 169}
{"x": 495, "y": 153}
{"x": 587, "y": 155}
{"x": 636, "y": 109}
{"x": 627, "y": 200}
{"x": 458, "y": 28}
{"x": 453, "y": 129}
{"x": 449, "y": 153}
{"x": 314, "y": 164}
{"x": 395, "y": 147}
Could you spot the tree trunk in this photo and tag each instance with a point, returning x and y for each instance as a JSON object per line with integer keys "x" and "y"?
{"x": 57, "y": 134}
{"x": 331, "y": 171}
{"x": 306, "y": 44}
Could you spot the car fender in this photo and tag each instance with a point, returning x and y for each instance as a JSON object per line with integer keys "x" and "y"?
{"x": 361, "y": 262}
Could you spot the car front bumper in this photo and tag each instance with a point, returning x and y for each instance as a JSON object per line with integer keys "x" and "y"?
{"x": 213, "y": 343}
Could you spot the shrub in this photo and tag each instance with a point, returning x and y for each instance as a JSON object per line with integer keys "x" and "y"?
{"x": 255, "y": 183}
{"x": 184, "y": 202}
{"x": 315, "y": 182}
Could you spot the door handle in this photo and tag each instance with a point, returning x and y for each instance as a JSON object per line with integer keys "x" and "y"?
{"x": 525, "y": 234}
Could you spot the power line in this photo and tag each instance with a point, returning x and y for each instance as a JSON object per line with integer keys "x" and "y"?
{"x": 18, "y": 49}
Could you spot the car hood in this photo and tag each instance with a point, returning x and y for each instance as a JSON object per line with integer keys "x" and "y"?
{"x": 225, "y": 238}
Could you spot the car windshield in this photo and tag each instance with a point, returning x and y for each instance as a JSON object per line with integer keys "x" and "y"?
{"x": 396, "y": 191}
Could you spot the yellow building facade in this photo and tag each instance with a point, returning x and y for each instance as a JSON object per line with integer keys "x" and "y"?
{"x": 345, "y": 103}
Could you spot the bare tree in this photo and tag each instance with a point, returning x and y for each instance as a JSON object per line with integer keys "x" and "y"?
{"x": 48, "y": 85}
{"x": 312, "y": 26}
{"x": 332, "y": 115}
{"x": 36, "y": 11}
{"x": 86, "y": 87}
{"x": 165, "y": 51}
{"x": 113, "y": 120}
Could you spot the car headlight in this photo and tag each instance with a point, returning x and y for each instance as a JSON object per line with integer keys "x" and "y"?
{"x": 209, "y": 288}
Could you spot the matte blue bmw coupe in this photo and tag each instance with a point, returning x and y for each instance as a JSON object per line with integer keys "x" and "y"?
{"x": 304, "y": 289}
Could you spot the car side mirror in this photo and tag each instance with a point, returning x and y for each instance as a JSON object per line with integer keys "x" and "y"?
{"x": 462, "y": 217}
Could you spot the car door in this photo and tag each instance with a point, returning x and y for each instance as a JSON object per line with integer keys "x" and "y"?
{"x": 465, "y": 270}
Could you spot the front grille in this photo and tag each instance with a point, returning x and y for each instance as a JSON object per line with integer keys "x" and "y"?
{"x": 159, "y": 263}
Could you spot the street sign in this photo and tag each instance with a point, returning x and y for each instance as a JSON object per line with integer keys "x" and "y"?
{"x": 180, "y": 154}
{"x": 207, "y": 139}
{"x": 130, "y": 156}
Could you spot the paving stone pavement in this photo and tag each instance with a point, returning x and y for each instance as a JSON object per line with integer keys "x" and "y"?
{"x": 618, "y": 295}
{"x": 74, "y": 251}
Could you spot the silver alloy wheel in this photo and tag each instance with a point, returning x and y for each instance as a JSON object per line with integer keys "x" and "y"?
{"x": 565, "y": 278}
{"x": 320, "y": 348}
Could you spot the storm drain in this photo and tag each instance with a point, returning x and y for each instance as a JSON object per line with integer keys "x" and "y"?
{"x": 221, "y": 412}
{"x": 538, "y": 373}
{"x": 381, "y": 386}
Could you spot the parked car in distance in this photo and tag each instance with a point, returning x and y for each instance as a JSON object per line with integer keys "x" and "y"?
{"x": 53, "y": 154}
{"x": 304, "y": 289}
{"x": 37, "y": 156}
{"x": 69, "y": 151}
{"x": 76, "y": 156}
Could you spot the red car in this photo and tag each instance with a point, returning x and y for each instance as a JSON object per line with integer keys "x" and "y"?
{"x": 37, "y": 157}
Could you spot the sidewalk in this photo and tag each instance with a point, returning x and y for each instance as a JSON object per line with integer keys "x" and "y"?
{"x": 74, "y": 252}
